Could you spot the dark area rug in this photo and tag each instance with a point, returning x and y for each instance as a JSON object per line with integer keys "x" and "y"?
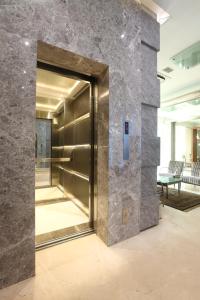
{"x": 184, "y": 201}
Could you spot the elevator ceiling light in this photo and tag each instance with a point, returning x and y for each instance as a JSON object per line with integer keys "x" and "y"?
{"x": 188, "y": 58}
{"x": 57, "y": 87}
{"x": 48, "y": 107}
{"x": 74, "y": 86}
{"x": 60, "y": 104}
{"x": 52, "y": 87}
{"x": 122, "y": 36}
{"x": 26, "y": 43}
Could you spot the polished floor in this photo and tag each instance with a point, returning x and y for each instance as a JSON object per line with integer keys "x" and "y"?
{"x": 42, "y": 177}
{"x": 190, "y": 188}
{"x": 162, "y": 263}
{"x": 57, "y": 216}
{"x": 54, "y": 212}
{"x": 48, "y": 193}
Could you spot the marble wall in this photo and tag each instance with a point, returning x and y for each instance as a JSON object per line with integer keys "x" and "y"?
{"x": 150, "y": 143}
{"x": 119, "y": 34}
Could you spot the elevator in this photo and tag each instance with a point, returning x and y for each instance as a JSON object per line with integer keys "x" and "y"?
{"x": 64, "y": 154}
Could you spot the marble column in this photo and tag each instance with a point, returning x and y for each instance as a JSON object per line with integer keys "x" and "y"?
{"x": 119, "y": 35}
{"x": 150, "y": 143}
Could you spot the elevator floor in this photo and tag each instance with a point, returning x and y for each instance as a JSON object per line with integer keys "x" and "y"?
{"x": 42, "y": 176}
{"x": 55, "y": 215}
{"x": 48, "y": 193}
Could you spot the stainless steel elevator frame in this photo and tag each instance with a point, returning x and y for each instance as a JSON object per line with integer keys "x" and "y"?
{"x": 93, "y": 138}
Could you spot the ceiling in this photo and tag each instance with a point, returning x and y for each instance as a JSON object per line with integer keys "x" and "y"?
{"x": 53, "y": 89}
{"x": 188, "y": 111}
{"x": 179, "y": 32}
{"x": 190, "y": 124}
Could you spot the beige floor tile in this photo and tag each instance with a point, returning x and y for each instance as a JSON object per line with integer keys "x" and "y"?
{"x": 162, "y": 263}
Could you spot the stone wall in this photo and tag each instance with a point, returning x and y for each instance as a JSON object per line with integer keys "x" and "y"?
{"x": 116, "y": 33}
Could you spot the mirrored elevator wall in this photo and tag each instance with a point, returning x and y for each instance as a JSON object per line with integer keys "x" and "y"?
{"x": 43, "y": 152}
{"x": 71, "y": 143}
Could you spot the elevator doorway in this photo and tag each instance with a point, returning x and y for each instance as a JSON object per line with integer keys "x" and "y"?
{"x": 64, "y": 155}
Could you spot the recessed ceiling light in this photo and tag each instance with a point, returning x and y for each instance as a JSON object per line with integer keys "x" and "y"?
{"x": 168, "y": 70}
{"x": 122, "y": 35}
{"x": 24, "y": 71}
{"x": 26, "y": 43}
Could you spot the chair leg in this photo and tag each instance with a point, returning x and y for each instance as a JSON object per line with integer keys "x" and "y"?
{"x": 179, "y": 188}
{"x": 167, "y": 191}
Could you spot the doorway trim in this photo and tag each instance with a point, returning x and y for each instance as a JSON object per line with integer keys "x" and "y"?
{"x": 72, "y": 64}
{"x": 82, "y": 229}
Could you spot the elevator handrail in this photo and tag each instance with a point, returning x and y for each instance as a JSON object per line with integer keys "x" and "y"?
{"x": 48, "y": 159}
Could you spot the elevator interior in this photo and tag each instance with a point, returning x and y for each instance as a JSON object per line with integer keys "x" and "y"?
{"x": 64, "y": 154}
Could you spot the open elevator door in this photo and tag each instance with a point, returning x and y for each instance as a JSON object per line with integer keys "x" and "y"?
{"x": 64, "y": 154}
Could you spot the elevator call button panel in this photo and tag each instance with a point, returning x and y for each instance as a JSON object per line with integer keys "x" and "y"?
{"x": 126, "y": 128}
{"x": 126, "y": 140}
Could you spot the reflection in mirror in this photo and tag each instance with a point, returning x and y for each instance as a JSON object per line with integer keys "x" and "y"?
{"x": 43, "y": 151}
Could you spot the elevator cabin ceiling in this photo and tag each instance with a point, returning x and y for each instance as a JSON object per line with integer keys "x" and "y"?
{"x": 53, "y": 89}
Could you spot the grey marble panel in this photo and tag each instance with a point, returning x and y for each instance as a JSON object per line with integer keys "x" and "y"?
{"x": 149, "y": 211}
{"x": 124, "y": 202}
{"x": 102, "y": 194}
{"x": 150, "y": 30}
{"x": 151, "y": 85}
{"x": 150, "y": 151}
{"x": 149, "y": 120}
{"x": 102, "y": 131}
{"x": 148, "y": 181}
{"x": 17, "y": 125}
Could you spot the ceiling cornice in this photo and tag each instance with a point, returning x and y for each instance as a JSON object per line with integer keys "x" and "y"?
{"x": 154, "y": 10}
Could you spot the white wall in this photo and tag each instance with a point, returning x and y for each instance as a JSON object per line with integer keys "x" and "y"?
{"x": 183, "y": 143}
{"x": 164, "y": 132}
